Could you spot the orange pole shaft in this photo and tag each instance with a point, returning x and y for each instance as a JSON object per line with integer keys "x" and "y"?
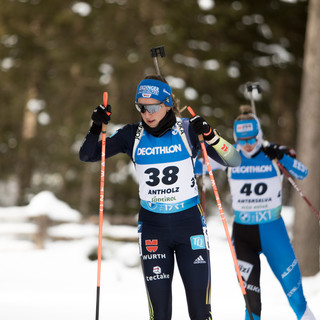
{"x": 203, "y": 189}
{"x": 101, "y": 202}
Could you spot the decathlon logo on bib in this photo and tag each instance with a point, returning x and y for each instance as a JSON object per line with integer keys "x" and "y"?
{"x": 252, "y": 169}
{"x": 159, "y": 150}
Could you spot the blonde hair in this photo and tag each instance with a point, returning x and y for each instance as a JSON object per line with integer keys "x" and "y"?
{"x": 175, "y": 102}
{"x": 246, "y": 113}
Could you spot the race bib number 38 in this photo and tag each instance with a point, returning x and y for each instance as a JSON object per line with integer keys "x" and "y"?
{"x": 165, "y": 183}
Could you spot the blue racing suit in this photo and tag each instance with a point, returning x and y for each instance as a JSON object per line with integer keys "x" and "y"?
{"x": 256, "y": 190}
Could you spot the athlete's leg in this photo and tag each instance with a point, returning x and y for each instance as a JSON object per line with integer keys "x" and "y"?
{"x": 194, "y": 262}
{"x": 246, "y": 241}
{"x": 283, "y": 262}
{"x": 157, "y": 259}
{"x": 308, "y": 315}
{"x": 255, "y": 317}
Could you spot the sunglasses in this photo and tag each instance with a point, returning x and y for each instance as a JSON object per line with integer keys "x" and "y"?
{"x": 151, "y": 108}
{"x": 248, "y": 141}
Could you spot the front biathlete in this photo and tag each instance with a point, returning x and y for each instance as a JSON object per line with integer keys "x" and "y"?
{"x": 163, "y": 148}
{"x": 256, "y": 190}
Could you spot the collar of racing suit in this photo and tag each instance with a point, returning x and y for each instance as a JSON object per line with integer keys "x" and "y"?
{"x": 164, "y": 125}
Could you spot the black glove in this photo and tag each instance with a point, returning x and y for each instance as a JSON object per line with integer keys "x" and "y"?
{"x": 274, "y": 151}
{"x": 200, "y": 126}
{"x": 101, "y": 115}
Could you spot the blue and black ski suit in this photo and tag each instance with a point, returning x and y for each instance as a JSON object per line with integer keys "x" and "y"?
{"x": 171, "y": 221}
{"x": 256, "y": 190}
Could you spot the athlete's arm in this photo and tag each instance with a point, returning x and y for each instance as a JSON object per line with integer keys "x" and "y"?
{"x": 227, "y": 153}
{"x": 120, "y": 142}
{"x": 217, "y": 147}
{"x": 283, "y": 155}
{"x": 295, "y": 167}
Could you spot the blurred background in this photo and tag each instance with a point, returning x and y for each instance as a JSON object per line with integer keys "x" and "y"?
{"x": 58, "y": 57}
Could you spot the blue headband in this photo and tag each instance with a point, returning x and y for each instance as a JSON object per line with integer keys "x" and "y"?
{"x": 151, "y": 88}
{"x": 246, "y": 128}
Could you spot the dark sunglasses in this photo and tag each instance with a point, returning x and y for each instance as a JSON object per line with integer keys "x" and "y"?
{"x": 151, "y": 108}
{"x": 250, "y": 141}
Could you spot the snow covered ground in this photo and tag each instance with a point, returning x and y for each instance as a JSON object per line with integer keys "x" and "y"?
{"x": 59, "y": 282}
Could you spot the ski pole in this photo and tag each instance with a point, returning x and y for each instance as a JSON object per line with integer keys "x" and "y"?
{"x": 295, "y": 186}
{"x": 102, "y": 175}
{"x": 250, "y": 87}
{"x": 288, "y": 175}
{"x": 155, "y": 51}
{"x": 216, "y": 193}
{"x": 203, "y": 187}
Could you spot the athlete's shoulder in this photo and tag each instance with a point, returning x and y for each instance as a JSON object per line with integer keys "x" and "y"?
{"x": 185, "y": 121}
{"x": 126, "y": 130}
{"x": 186, "y": 126}
{"x": 131, "y": 127}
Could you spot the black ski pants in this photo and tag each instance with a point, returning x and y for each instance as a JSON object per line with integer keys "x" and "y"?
{"x": 182, "y": 235}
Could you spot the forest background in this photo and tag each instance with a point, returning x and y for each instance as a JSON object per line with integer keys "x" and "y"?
{"x": 57, "y": 57}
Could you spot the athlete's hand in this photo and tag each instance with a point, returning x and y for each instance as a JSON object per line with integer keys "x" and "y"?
{"x": 101, "y": 115}
{"x": 274, "y": 151}
{"x": 200, "y": 126}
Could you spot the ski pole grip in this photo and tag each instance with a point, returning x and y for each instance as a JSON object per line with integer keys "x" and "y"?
{"x": 105, "y": 99}
{"x": 105, "y": 102}
{"x": 191, "y": 111}
{"x": 200, "y": 136}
